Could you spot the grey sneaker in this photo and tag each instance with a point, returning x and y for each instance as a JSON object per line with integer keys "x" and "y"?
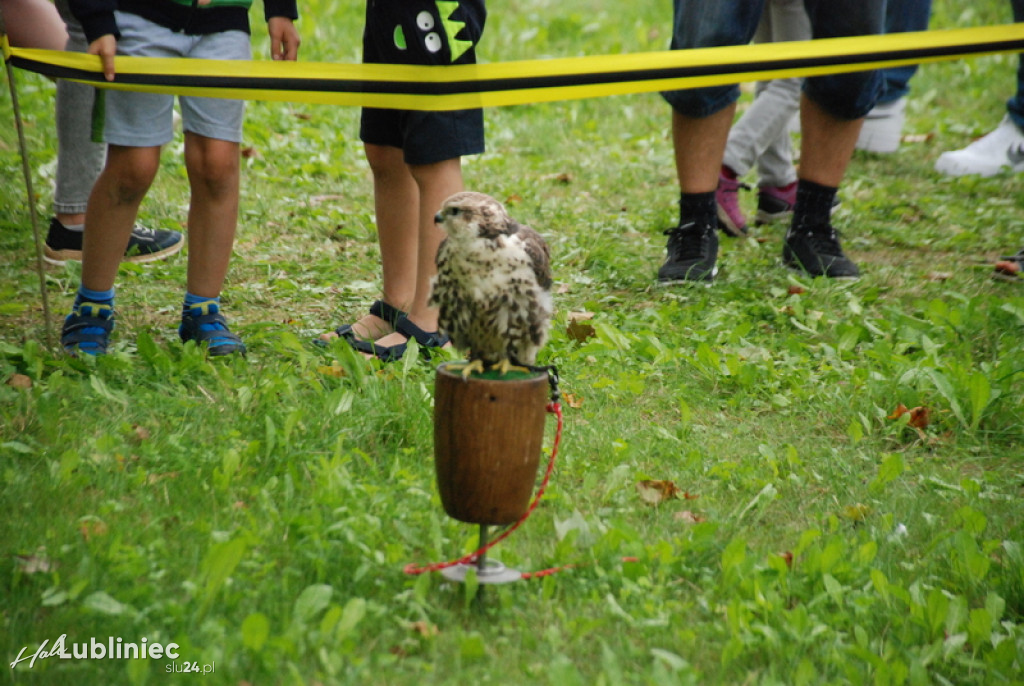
{"x": 692, "y": 253}
{"x": 815, "y": 250}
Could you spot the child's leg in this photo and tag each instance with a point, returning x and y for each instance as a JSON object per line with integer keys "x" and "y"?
{"x": 435, "y": 182}
{"x": 113, "y": 209}
{"x": 34, "y": 24}
{"x": 213, "y": 134}
{"x": 396, "y": 203}
{"x": 110, "y": 217}
{"x": 79, "y": 159}
{"x": 395, "y": 199}
{"x": 213, "y": 173}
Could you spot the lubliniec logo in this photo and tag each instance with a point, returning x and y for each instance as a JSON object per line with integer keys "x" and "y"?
{"x": 111, "y": 649}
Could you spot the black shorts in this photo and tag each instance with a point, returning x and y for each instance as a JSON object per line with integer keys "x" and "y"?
{"x": 413, "y": 32}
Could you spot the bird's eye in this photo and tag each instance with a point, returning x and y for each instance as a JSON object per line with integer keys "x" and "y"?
{"x": 453, "y": 211}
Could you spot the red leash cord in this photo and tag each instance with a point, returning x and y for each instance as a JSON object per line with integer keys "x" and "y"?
{"x": 554, "y": 407}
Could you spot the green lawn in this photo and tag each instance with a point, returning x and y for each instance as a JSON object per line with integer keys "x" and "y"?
{"x": 259, "y": 512}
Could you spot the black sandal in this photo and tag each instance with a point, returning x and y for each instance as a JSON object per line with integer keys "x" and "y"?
{"x": 392, "y": 353}
{"x": 380, "y": 309}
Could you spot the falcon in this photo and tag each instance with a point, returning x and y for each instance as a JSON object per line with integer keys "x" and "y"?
{"x": 493, "y": 284}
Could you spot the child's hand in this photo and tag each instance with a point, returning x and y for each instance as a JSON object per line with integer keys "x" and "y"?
{"x": 284, "y": 39}
{"x": 106, "y": 48}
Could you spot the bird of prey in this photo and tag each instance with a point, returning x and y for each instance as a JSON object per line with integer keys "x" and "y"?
{"x": 493, "y": 284}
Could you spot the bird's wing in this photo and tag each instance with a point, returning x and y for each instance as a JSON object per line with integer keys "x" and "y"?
{"x": 540, "y": 255}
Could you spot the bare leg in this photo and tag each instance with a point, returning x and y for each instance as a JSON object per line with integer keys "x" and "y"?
{"x": 34, "y": 24}
{"x": 827, "y": 144}
{"x": 396, "y": 201}
{"x": 435, "y": 183}
{"x": 213, "y": 172}
{"x": 699, "y": 146}
{"x": 113, "y": 208}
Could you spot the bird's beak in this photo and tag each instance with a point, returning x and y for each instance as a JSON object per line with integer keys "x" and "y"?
{"x": 438, "y": 218}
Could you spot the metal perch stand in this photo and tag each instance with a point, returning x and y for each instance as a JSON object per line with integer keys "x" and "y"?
{"x": 487, "y": 443}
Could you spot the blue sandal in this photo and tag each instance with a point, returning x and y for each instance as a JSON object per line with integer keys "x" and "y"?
{"x": 392, "y": 353}
{"x": 87, "y": 329}
{"x": 379, "y": 309}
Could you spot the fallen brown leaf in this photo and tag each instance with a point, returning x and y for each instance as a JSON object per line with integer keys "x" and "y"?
{"x": 19, "y": 381}
{"x": 563, "y": 177}
{"x": 572, "y": 400}
{"x": 655, "y": 492}
{"x": 919, "y": 416}
{"x": 900, "y": 410}
{"x": 687, "y": 517}
{"x": 580, "y": 328}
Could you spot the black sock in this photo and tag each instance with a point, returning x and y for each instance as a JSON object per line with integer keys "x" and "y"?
{"x": 700, "y": 208}
{"x": 813, "y": 204}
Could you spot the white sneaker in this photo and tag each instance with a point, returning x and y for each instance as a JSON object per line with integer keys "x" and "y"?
{"x": 883, "y": 127}
{"x": 1000, "y": 149}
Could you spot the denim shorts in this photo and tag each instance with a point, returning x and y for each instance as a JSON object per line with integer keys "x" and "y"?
{"x": 414, "y": 32}
{"x": 717, "y": 23}
{"x": 136, "y": 119}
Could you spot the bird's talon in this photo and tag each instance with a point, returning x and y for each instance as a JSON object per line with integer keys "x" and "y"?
{"x": 505, "y": 366}
{"x": 466, "y": 369}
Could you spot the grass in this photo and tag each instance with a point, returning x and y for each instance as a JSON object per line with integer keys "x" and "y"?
{"x": 260, "y": 512}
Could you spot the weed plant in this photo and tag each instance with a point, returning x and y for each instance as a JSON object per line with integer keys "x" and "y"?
{"x": 259, "y": 512}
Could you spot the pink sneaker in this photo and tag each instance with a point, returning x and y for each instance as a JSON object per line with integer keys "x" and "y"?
{"x": 774, "y": 203}
{"x": 730, "y": 216}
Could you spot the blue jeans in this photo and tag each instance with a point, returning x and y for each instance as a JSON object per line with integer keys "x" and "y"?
{"x": 902, "y": 16}
{"x": 717, "y": 23}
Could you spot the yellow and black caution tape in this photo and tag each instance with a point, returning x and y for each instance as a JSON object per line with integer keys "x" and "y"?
{"x": 519, "y": 82}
